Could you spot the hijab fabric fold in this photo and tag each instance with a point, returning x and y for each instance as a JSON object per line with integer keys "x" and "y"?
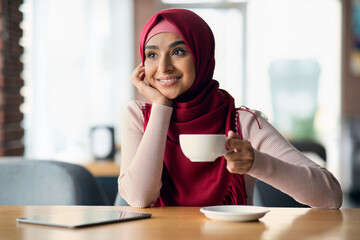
{"x": 203, "y": 109}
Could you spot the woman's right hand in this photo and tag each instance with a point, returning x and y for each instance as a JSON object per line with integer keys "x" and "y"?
{"x": 152, "y": 94}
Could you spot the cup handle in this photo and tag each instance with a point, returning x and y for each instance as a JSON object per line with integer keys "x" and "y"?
{"x": 226, "y": 145}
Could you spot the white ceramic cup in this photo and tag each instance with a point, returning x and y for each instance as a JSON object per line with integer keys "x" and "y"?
{"x": 203, "y": 147}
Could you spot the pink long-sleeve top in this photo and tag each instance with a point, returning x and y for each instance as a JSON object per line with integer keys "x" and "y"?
{"x": 276, "y": 161}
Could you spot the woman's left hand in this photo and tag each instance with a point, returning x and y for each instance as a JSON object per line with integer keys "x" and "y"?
{"x": 241, "y": 159}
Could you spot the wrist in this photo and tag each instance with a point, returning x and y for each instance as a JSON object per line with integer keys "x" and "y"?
{"x": 163, "y": 101}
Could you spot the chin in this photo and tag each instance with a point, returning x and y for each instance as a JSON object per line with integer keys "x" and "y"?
{"x": 170, "y": 96}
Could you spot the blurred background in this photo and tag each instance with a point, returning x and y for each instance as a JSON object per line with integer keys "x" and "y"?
{"x": 296, "y": 61}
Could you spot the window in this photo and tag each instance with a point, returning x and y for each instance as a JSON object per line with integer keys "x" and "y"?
{"x": 77, "y": 64}
{"x": 278, "y": 31}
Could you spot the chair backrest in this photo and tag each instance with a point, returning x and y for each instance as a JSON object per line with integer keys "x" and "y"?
{"x": 310, "y": 146}
{"x": 40, "y": 182}
{"x": 268, "y": 196}
{"x": 120, "y": 201}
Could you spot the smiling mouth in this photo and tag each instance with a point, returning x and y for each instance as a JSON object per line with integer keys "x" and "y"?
{"x": 168, "y": 81}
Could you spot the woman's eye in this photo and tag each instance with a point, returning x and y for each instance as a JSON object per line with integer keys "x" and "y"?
{"x": 150, "y": 55}
{"x": 179, "y": 52}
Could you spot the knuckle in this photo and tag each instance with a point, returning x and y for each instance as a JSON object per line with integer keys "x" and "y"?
{"x": 231, "y": 168}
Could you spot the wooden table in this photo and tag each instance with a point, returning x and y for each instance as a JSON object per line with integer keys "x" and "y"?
{"x": 188, "y": 223}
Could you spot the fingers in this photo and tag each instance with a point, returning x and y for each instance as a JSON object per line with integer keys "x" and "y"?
{"x": 236, "y": 143}
{"x": 137, "y": 78}
{"x": 138, "y": 75}
{"x": 239, "y": 145}
{"x": 232, "y": 134}
{"x": 242, "y": 158}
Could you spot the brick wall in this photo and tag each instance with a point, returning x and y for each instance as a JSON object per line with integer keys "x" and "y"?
{"x": 11, "y": 131}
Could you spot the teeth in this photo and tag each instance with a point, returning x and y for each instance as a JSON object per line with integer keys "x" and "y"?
{"x": 169, "y": 80}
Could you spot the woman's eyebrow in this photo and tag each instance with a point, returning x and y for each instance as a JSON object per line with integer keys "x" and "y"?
{"x": 151, "y": 47}
{"x": 174, "y": 44}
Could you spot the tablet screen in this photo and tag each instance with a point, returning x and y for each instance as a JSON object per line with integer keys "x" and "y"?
{"x": 83, "y": 218}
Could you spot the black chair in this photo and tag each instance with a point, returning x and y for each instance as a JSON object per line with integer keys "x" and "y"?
{"x": 268, "y": 196}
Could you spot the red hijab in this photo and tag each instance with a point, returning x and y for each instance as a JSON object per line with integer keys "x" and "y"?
{"x": 203, "y": 109}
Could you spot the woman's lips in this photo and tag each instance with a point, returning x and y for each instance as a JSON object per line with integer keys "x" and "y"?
{"x": 168, "y": 80}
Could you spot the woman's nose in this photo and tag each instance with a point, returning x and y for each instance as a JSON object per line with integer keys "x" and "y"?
{"x": 165, "y": 64}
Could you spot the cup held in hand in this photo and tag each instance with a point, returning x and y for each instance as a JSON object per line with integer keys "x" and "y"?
{"x": 203, "y": 147}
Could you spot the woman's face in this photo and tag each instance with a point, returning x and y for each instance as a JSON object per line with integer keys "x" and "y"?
{"x": 169, "y": 66}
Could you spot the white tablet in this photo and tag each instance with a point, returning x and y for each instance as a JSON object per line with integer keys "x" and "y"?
{"x": 84, "y": 218}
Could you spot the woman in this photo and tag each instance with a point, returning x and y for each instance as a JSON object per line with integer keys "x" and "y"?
{"x": 177, "y": 52}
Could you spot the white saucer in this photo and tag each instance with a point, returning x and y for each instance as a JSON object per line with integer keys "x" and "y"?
{"x": 237, "y": 213}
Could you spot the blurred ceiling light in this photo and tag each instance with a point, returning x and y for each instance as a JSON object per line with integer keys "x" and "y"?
{"x": 237, "y": 1}
{"x": 201, "y": 1}
{"x": 190, "y": 1}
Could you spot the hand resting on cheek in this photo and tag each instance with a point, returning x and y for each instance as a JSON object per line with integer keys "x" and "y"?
{"x": 152, "y": 94}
